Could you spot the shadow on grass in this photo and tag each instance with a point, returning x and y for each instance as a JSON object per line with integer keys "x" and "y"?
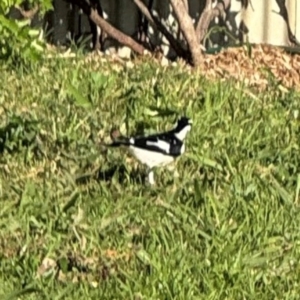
{"x": 119, "y": 171}
{"x": 17, "y": 133}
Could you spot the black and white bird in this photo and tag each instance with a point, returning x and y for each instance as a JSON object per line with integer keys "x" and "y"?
{"x": 159, "y": 149}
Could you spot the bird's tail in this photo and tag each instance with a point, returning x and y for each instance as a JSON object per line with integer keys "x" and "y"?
{"x": 118, "y": 139}
{"x": 119, "y": 142}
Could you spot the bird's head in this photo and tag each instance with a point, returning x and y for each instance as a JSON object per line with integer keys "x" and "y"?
{"x": 183, "y": 126}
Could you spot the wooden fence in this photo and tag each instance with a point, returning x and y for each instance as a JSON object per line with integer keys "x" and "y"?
{"x": 275, "y": 22}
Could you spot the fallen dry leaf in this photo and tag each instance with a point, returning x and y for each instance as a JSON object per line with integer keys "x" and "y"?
{"x": 48, "y": 265}
{"x": 236, "y": 63}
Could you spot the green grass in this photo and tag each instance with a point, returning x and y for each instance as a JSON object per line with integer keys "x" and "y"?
{"x": 226, "y": 228}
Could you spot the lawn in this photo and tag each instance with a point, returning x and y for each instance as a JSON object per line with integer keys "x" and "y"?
{"x": 77, "y": 220}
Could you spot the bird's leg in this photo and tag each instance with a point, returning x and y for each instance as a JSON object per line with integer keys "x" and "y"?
{"x": 172, "y": 168}
{"x": 151, "y": 176}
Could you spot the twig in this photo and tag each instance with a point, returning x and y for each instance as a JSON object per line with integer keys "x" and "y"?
{"x": 157, "y": 24}
{"x": 208, "y": 14}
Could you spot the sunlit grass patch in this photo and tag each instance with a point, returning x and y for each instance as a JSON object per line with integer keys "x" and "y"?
{"x": 77, "y": 221}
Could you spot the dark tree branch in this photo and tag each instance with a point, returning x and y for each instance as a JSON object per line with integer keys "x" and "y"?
{"x": 108, "y": 28}
{"x": 99, "y": 35}
{"x": 207, "y": 16}
{"x": 284, "y": 13}
{"x": 144, "y": 25}
{"x": 157, "y": 24}
{"x": 145, "y": 11}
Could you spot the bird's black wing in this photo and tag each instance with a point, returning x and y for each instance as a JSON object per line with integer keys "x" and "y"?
{"x": 175, "y": 143}
{"x": 165, "y": 143}
{"x": 150, "y": 143}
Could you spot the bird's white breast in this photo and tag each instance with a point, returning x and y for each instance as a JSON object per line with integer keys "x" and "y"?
{"x": 151, "y": 158}
{"x": 182, "y": 134}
